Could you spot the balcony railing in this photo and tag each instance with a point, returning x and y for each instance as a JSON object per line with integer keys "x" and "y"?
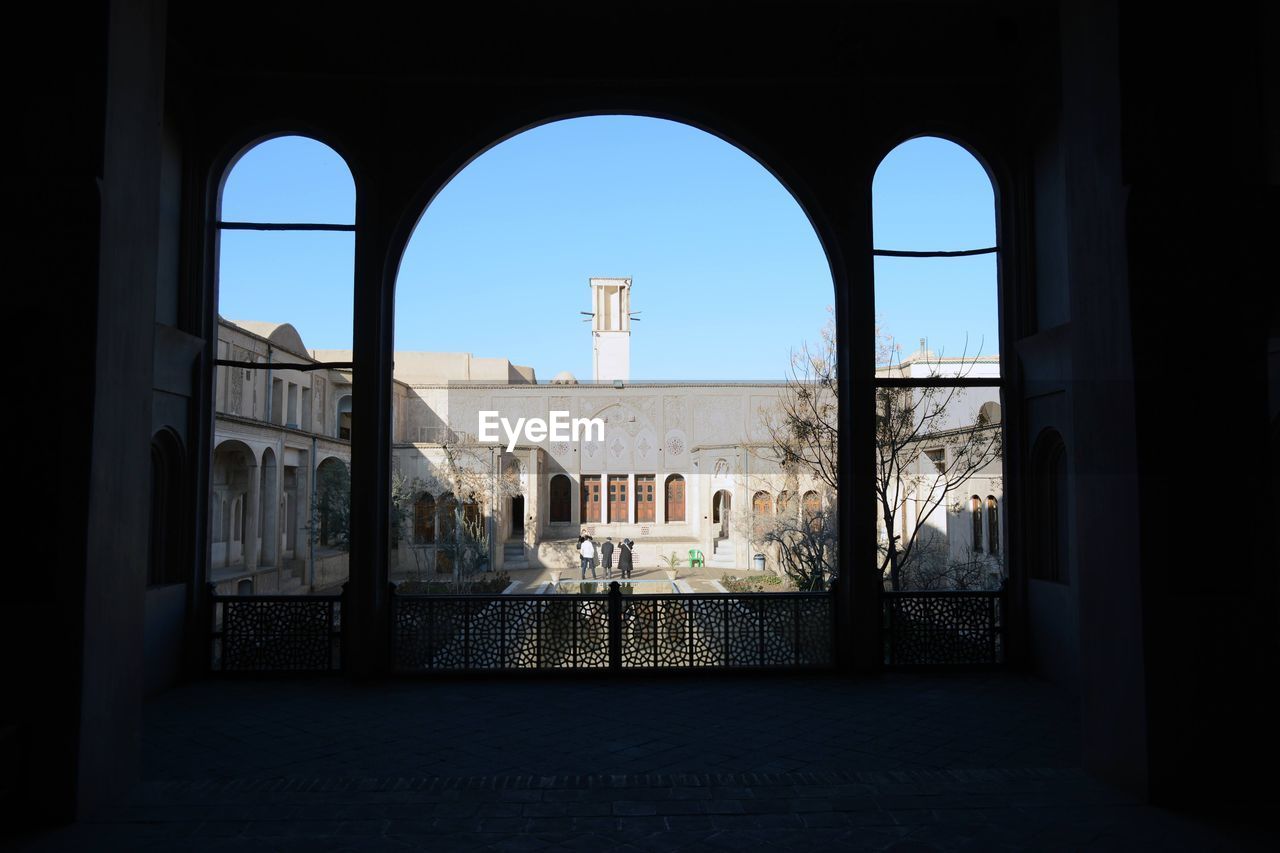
{"x": 275, "y": 633}
{"x": 436, "y": 633}
{"x": 453, "y": 633}
{"x": 943, "y": 628}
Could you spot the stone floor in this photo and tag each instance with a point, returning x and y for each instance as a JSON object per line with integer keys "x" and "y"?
{"x": 732, "y": 762}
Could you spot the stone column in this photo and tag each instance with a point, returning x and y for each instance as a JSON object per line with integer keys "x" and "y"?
{"x": 366, "y": 611}
{"x": 740, "y": 513}
{"x": 660, "y": 497}
{"x": 271, "y": 513}
{"x": 301, "y": 538}
{"x": 631, "y": 498}
{"x": 250, "y": 521}
{"x": 532, "y": 502}
{"x": 704, "y": 516}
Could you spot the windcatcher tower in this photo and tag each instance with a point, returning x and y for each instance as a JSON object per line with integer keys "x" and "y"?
{"x": 611, "y": 329}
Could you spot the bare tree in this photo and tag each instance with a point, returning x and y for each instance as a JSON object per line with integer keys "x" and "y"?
{"x": 934, "y": 567}
{"x": 802, "y": 428}
{"x": 925, "y": 451}
{"x": 802, "y": 441}
{"x": 805, "y": 547}
{"x": 467, "y": 473}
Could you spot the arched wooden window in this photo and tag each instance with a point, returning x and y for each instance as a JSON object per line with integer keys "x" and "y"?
{"x": 675, "y": 498}
{"x": 975, "y": 516}
{"x": 424, "y": 520}
{"x": 447, "y": 518}
{"x": 561, "y": 499}
{"x": 785, "y": 503}
{"x": 761, "y": 515}
{"x": 812, "y": 503}
{"x": 993, "y": 525}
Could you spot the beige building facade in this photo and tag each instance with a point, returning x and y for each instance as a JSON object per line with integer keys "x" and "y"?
{"x": 678, "y": 467}
{"x": 281, "y": 426}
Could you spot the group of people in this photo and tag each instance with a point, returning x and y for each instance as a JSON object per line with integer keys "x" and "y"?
{"x": 587, "y": 550}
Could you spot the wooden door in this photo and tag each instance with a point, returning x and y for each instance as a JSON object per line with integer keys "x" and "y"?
{"x": 645, "y": 499}
{"x": 675, "y": 498}
{"x": 591, "y": 500}
{"x": 618, "y": 499}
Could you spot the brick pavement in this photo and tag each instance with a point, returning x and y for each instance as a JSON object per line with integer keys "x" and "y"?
{"x": 802, "y": 762}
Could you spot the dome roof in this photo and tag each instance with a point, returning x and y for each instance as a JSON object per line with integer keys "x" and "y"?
{"x": 564, "y": 377}
{"x": 281, "y": 334}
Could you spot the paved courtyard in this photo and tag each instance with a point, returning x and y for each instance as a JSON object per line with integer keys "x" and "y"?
{"x": 728, "y": 762}
{"x": 651, "y": 578}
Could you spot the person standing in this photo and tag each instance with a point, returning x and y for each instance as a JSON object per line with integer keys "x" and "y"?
{"x": 624, "y": 558}
{"x": 588, "y": 558}
{"x": 606, "y": 557}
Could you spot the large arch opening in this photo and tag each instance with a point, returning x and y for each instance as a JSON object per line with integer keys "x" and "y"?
{"x": 672, "y": 291}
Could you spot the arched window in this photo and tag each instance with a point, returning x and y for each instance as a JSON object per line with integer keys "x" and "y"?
{"x": 938, "y": 372}
{"x": 561, "y": 499}
{"x": 333, "y": 503}
{"x": 674, "y": 499}
{"x": 975, "y": 516}
{"x": 424, "y": 520}
{"x": 993, "y": 525}
{"x": 761, "y": 515}
{"x": 812, "y": 503}
{"x": 786, "y": 504}
{"x": 285, "y": 271}
{"x": 343, "y": 418}
{"x": 1050, "y": 551}
{"x": 447, "y": 518}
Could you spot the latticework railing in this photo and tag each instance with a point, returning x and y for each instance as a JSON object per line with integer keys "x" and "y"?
{"x": 943, "y": 628}
{"x": 614, "y": 631}
{"x": 276, "y": 633}
{"x": 734, "y": 630}
{"x": 437, "y": 633}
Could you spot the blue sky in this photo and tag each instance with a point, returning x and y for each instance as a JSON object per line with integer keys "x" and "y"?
{"x": 727, "y": 272}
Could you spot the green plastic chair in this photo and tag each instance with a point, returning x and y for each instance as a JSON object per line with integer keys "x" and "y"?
{"x": 695, "y": 558}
